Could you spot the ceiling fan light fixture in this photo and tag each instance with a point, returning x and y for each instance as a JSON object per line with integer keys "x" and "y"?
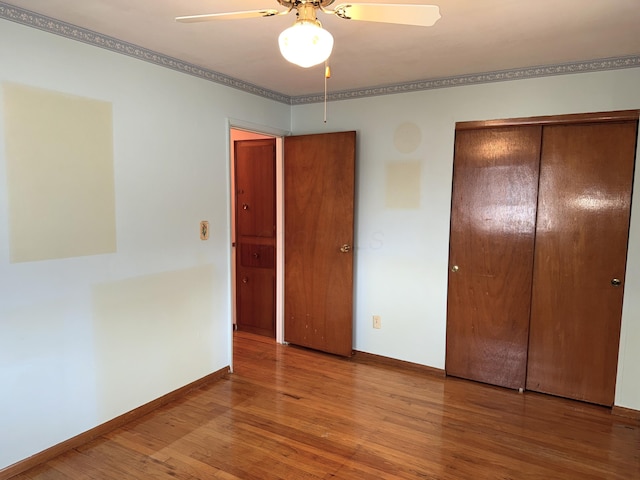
{"x": 305, "y": 43}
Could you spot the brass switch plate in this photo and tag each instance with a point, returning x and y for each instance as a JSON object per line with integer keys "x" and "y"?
{"x": 204, "y": 230}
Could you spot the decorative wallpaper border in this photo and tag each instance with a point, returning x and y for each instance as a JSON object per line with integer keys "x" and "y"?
{"x": 51, "y": 25}
{"x": 47, "y": 24}
{"x": 599, "y": 65}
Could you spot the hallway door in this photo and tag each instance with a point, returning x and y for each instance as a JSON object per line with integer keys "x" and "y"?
{"x": 255, "y": 233}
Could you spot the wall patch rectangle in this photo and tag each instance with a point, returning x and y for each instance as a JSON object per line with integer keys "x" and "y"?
{"x": 60, "y": 176}
{"x": 403, "y": 184}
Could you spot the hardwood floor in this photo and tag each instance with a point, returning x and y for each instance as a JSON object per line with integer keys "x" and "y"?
{"x": 289, "y": 413}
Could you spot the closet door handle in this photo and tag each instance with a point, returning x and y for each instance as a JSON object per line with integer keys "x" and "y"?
{"x": 616, "y": 282}
{"x": 455, "y": 268}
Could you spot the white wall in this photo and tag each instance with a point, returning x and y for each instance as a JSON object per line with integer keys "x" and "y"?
{"x": 85, "y": 339}
{"x": 401, "y": 259}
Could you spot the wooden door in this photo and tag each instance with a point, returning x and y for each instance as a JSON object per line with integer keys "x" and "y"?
{"x": 255, "y": 235}
{"x": 581, "y": 247}
{"x": 255, "y": 179}
{"x": 491, "y": 253}
{"x": 319, "y": 177}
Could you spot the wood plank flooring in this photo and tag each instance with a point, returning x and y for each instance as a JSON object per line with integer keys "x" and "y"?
{"x": 289, "y": 413}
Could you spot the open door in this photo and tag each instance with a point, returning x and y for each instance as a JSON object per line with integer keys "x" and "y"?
{"x": 319, "y": 182}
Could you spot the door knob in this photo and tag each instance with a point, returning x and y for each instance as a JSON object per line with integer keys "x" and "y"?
{"x": 245, "y": 280}
{"x": 345, "y": 248}
{"x": 616, "y": 282}
{"x": 245, "y": 206}
{"x": 455, "y": 268}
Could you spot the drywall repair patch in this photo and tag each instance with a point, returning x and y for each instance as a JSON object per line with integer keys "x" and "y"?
{"x": 407, "y": 137}
{"x": 403, "y": 185}
{"x": 59, "y": 153}
{"x": 152, "y": 335}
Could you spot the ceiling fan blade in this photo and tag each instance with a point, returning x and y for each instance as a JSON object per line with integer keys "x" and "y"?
{"x": 229, "y": 16}
{"x": 419, "y": 15}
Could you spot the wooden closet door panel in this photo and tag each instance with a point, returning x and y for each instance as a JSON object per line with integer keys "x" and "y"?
{"x": 255, "y": 162}
{"x": 581, "y": 246}
{"x": 255, "y": 304}
{"x": 491, "y": 253}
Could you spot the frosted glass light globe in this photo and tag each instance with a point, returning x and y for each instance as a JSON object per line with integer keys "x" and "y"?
{"x": 305, "y": 43}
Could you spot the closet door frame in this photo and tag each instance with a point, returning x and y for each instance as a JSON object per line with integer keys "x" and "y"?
{"x": 573, "y": 118}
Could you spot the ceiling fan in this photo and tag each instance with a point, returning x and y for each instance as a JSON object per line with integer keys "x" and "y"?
{"x": 306, "y": 43}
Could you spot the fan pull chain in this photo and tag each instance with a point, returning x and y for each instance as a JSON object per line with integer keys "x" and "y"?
{"x": 327, "y": 75}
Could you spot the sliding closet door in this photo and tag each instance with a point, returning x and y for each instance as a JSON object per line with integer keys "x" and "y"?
{"x": 491, "y": 253}
{"x": 579, "y": 269}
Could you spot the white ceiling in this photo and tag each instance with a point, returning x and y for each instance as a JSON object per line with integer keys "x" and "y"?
{"x": 473, "y": 36}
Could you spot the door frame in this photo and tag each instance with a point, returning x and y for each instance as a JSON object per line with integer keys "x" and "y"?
{"x": 257, "y": 131}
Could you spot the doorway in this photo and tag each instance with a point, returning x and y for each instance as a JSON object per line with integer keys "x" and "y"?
{"x": 240, "y": 132}
{"x": 255, "y": 232}
{"x": 332, "y": 197}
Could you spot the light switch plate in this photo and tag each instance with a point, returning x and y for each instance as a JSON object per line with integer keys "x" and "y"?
{"x": 204, "y": 230}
